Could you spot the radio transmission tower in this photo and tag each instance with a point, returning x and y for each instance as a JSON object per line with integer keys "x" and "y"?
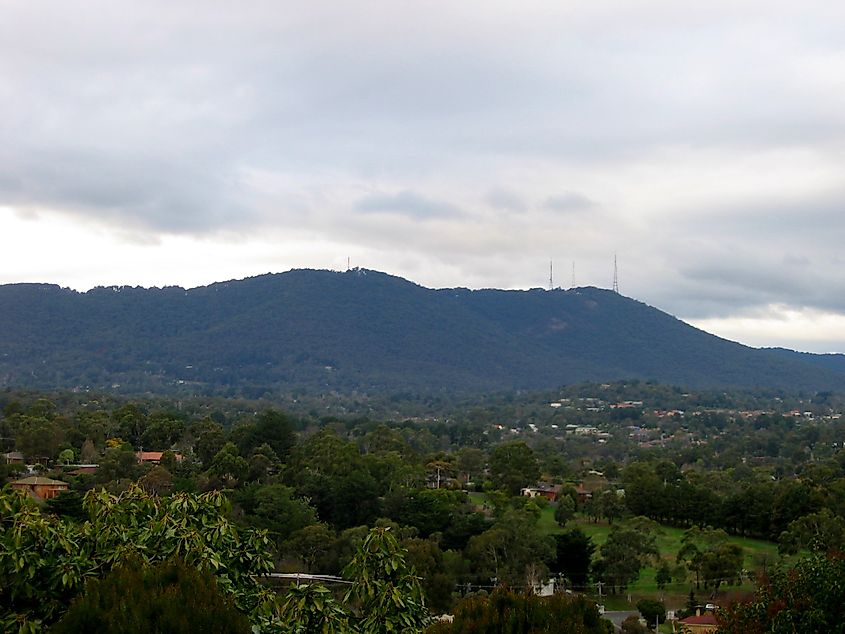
{"x": 615, "y": 276}
{"x": 551, "y": 277}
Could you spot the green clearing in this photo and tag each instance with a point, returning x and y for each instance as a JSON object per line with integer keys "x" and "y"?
{"x": 668, "y": 544}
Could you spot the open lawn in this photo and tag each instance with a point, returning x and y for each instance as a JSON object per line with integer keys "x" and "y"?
{"x": 668, "y": 543}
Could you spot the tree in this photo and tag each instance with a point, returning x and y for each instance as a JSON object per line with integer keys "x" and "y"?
{"x": 273, "y": 428}
{"x": 820, "y": 532}
{"x": 156, "y": 481}
{"x": 513, "y": 466}
{"x": 708, "y": 553}
{"x": 167, "y": 597}
{"x": 609, "y": 505}
{"x": 280, "y": 512}
{"x": 387, "y": 594}
{"x": 66, "y": 456}
{"x": 525, "y": 613}
{"x": 470, "y": 462}
{"x": 574, "y": 552}
{"x": 312, "y": 609}
{"x": 46, "y": 561}
{"x": 510, "y": 548}
{"x": 626, "y": 551}
{"x": 810, "y": 597}
{"x": 311, "y": 544}
{"x": 632, "y": 625}
{"x": 652, "y": 611}
{"x": 67, "y": 504}
{"x": 663, "y": 576}
{"x": 722, "y": 564}
{"x": 209, "y": 438}
{"x": 228, "y": 465}
{"x": 39, "y": 438}
{"x": 88, "y": 454}
{"x": 565, "y": 510}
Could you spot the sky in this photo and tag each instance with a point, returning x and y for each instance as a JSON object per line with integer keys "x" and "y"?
{"x": 701, "y": 144}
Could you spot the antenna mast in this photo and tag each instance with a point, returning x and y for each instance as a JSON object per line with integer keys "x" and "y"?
{"x": 573, "y": 273}
{"x": 551, "y": 277}
{"x": 615, "y": 276}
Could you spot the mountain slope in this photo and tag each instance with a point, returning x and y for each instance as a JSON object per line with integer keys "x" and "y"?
{"x": 364, "y": 330}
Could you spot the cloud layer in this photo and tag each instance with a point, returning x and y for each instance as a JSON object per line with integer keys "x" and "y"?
{"x": 452, "y": 143}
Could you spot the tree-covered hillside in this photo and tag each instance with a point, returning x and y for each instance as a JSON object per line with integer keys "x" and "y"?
{"x": 362, "y": 330}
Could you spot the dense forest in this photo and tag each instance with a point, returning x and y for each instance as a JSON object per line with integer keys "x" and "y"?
{"x": 687, "y": 486}
{"x": 367, "y": 332}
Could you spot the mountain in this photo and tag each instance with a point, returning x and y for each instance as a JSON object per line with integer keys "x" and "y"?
{"x": 364, "y": 330}
{"x": 829, "y": 361}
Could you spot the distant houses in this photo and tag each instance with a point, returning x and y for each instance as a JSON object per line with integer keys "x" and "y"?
{"x": 699, "y": 623}
{"x": 154, "y": 457}
{"x": 40, "y": 487}
{"x": 543, "y": 490}
{"x": 13, "y": 457}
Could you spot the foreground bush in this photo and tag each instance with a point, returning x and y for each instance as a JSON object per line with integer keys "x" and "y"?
{"x": 810, "y": 597}
{"x": 509, "y": 612}
{"x": 168, "y": 597}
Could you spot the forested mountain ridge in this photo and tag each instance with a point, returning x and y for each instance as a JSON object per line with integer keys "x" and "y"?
{"x": 364, "y": 330}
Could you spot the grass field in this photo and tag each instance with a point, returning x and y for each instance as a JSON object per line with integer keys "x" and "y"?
{"x": 668, "y": 544}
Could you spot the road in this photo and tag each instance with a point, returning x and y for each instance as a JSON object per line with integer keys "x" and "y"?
{"x": 618, "y": 617}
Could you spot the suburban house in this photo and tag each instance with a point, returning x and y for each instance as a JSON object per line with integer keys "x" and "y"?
{"x": 699, "y": 624}
{"x": 154, "y": 457}
{"x": 13, "y": 457}
{"x": 544, "y": 490}
{"x": 83, "y": 469}
{"x": 42, "y": 488}
{"x": 583, "y": 493}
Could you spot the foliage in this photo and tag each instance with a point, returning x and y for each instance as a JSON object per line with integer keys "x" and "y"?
{"x": 573, "y": 555}
{"x": 513, "y": 466}
{"x": 508, "y": 612}
{"x": 312, "y": 609}
{"x": 167, "y": 597}
{"x": 708, "y": 553}
{"x": 371, "y": 329}
{"x": 45, "y": 561}
{"x": 627, "y": 550}
{"x": 810, "y": 597}
{"x": 652, "y": 611}
{"x": 513, "y": 551}
{"x": 564, "y": 510}
{"x": 820, "y": 531}
{"x": 387, "y": 594}
{"x": 632, "y": 625}
{"x": 663, "y": 576}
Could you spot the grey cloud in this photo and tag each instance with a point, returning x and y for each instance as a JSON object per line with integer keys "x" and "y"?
{"x": 505, "y": 200}
{"x": 568, "y": 201}
{"x": 146, "y": 116}
{"x": 407, "y": 203}
{"x": 175, "y": 197}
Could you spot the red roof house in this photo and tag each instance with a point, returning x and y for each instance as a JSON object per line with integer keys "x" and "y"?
{"x": 699, "y": 624}
{"x": 42, "y": 488}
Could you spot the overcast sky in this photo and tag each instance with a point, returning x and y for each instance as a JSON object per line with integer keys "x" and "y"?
{"x": 451, "y": 143}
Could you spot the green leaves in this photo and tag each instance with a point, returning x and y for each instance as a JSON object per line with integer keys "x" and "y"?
{"x": 45, "y": 561}
{"x": 387, "y": 594}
